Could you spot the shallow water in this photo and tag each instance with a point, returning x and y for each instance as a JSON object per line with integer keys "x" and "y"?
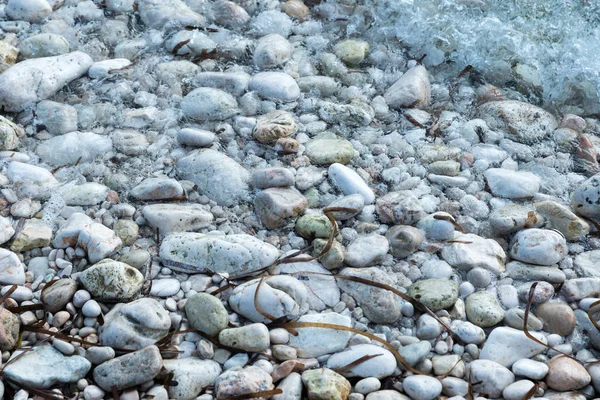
{"x": 558, "y": 39}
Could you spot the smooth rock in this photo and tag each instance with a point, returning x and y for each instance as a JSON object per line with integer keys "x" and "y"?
{"x": 87, "y": 194}
{"x": 69, "y": 231}
{"x": 329, "y": 149}
{"x": 250, "y": 338}
{"x": 30, "y": 180}
{"x": 43, "y": 45}
{"x": 325, "y": 384}
{"x": 315, "y": 342}
{"x": 507, "y": 345}
{"x": 169, "y": 217}
{"x": 483, "y": 309}
{"x": 566, "y": 374}
{"x": 404, "y": 240}
{"x": 272, "y": 177}
{"x": 129, "y": 370}
{"x": 28, "y": 10}
{"x": 379, "y": 305}
{"x": 561, "y": 218}
{"x": 112, "y": 280}
{"x": 192, "y": 376}
{"x": 67, "y": 149}
{"x": 98, "y": 240}
{"x": 209, "y": 104}
{"x": 37, "y": 79}
{"x": 435, "y": 294}
{"x": 206, "y": 313}
{"x": 129, "y": 141}
{"x": 356, "y": 113}
{"x": 44, "y": 367}
{"x": 276, "y": 86}
{"x": 160, "y": 14}
{"x": 271, "y": 51}
{"x": 134, "y": 325}
{"x": 586, "y": 264}
{"x": 157, "y": 189}
{"x": 11, "y": 268}
{"x": 530, "y": 369}
{"x": 580, "y": 288}
{"x": 468, "y": 332}
{"x": 104, "y": 68}
{"x": 349, "y": 182}
{"x": 420, "y": 387}
{"x": 539, "y": 246}
{"x": 512, "y": 184}
{"x": 217, "y": 176}
{"x": 489, "y": 377}
{"x": 237, "y": 382}
{"x": 234, "y": 83}
{"x": 354, "y": 203}
{"x": 233, "y": 254}
{"x": 56, "y": 296}
{"x": 381, "y": 366}
{"x": 517, "y": 390}
{"x": 470, "y": 251}
{"x": 195, "y": 137}
{"x": 351, "y": 51}
{"x": 527, "y": 272}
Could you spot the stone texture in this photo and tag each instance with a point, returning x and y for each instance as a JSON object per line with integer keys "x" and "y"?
{"x": 274, "y": 206}
{"x": 325, "y": 384}
{"x": 129, "y": 370}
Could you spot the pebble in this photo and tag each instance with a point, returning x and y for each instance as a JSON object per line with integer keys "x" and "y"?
{"x": 195, "y": 137}
{"x": 271, "y": 51}
{"x": 250, "y": 338}
{"x": 11, "y": 268}
{"x": 328, "y": 149}
{"x": 28, "y": 10}
{"x": 420, "y": 387}
{"x": 237, "y": 382}
{"x": 275, "y": 86}
{"x": 98, "y": 240}
{"x": 274, "y": 206}
{"x": 366, "y": 250}
{"x": 57, "y": 118}
{"x": 35, "y": 233}
{"x": 411, "y": 90}
{"x": 170, "y": 217}
{"x": 539, "y": 246}
{"x": 30, "y": 180}
{"x": 324, "y": 383}
{"x": 404, "y": 240}
{"x": 512, "y": 184}
{"x": 381, "y": 366}
{"x": 490, "y": 377}
{"x": 435, "y": 294}
{"x": 517, "y": 390}
{"x": 349, "y": 182}
{"x": 112, "y": 280}
{"x": 507, "y": 345}
{"x": 204, "y": 104}
{"x": 56, "y": 296}
{"x": 470, "y": 251}
{"x": 192, "y": 376}
{"x": 315, "y": 342}
{"x": 206, "y": 313}
{"x": 272, "y": 177}
{"x": 483, "y": 309}
{"x": 563, "y": 219}
{"x": 566, "y": 374}
{"x": 9, "y": 329}
{"x": 530, "y": 369}
{"x": 129, "y": 370}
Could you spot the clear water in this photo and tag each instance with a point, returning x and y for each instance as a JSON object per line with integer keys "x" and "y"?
{"x": 558, "y": 38}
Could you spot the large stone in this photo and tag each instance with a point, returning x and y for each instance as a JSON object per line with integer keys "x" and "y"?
{"x": 507, "y": 345}
{"x": 192, "y": 376}
{"x": 411, "y": 90}
{"x": 562, "y": 218}
{"x": 539, "y": 247}
{"x": 315, "y": 342}
{"x": 30, "y": 180}
{"x": 379, "y": 305}
{"x": 217, "y": 176}
{"x": 30, "y": 81}
{"x": 435, "y": 294}
{"x": 271, "y": 51}
{"x": 489, "y": 378}
{"x": 329, "y": 149}
{"x": 234, "y": 254}
{"x": 278, "y": 296}
{"x": 483, "y": 309}
{"x": 512, "y": 184}
{"x": 521, "y": 122}
{"x": 9, "y": 134}
{"x": 566, "y": 374}
{"x": 420, "y": 387}
{"x": 238, "y": 382}
{"x": 135, "y": 325}
{"x": 112, "y": 280}
{"x": 98, "y": 240}
{"x": 274, "y": 206}
{"x": 325, "y": 384}
{"x": 160, "y": 14}
{"x": 69, "y": 148}
{"x": 469, "y": 251}
{"x": 206, "y": 313}
{"x": 45, "y": 367}
{"x": 382, "y": 365}
{"x": 169, "y": 218}
{"x": 129, "y": 370}
{"x": 207, "y": 104}
{"x": 580, "y": 288}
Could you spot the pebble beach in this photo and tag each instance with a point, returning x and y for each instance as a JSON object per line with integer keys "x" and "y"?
{"x": 269, "y": 199}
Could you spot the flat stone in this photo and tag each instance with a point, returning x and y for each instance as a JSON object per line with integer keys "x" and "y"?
{"x": 250, "y": 338}
{"x": 291, "y": 386}
{"x": 30, "y": 180}
{"x": 530, "y": 369}
{"x": 354, "y": 203}
{"x": 566, "y": 374}
{"x": 130, "y": 142}
{"x": 521, "y": 122}
{"x": 45, "y": 367}
{"x": 512, "y": 184}
{"x": 411, "y": 90}
{"x": 237, "y": 382}
{"x": 129, "y": 370}
{"x": 165, "y": 287}
{"x": 379, "y": 305}
{"x": 470, "y": 251}
{"x": 489, "y": 377}
{"x": 528, "y": 272}
{"x": 43, "y": 45}
{"x": 404, "y": 240}
{"x": 366, "y": 250}
{"x": 276, "y": 86}
{"x": 98, "y": 240}
{"x": 483, "y": 309}
{"x": 325, "y": 384}
{"x": 435, "y": 294}
{"x": 34, "y": 234}
{"x": 208, "y": 104}
{"x": 561, "y": 218}
{"x": 315, "y": 342}
{"x": 515, "y": 318}
{"x": 30, "y": 81}
{"x": 160, "y": 14}
{"x": 539, "y": 246}
{"x": 87, "y": 194}
{"x": 329, "y": 149}
{"x": 580, "y": 288}
{"x": 349, "y": 182}
{"x": 381, "y": 366}
{"x": 322, "y": 85}
{"x": 195, "y": 137}
{"x": 217, "y": 176}
{"x": 192, "y": 376}
{"x": 112, "y": 280}
{"x": 169, "y": 217}
{"x": 274, "y": 206}
{"x": 68, "y": 148}
{"x": 134, "y": 325}
{"x": 233, "y": 254}
{"x": 235, "y": 83}
{"x": 507, "y": 345}
{"x": 414, "y": 353}
{"x": 273, "y": 177}
{"x": 102, "y": 69}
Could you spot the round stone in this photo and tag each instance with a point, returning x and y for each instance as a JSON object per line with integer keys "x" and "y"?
{"x": 566, "y": 374}
{"x": 206, "y": 313}
{"x": 483, "y": 309}
{"x": 436, "y": 294}
{"x": 558, "y": 317}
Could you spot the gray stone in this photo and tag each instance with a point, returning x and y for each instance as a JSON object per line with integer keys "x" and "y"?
{"x": 208, "y": 104}
{"x": 276, "y": 86}
{"x": 43, "y": 45}
{"x": 157, "y": 189}
{"x": 329, "y": 149}
{"x": 129, "y": 370}
{"x": 489, "y": 377}
{"x": 11, "y": 268}
{"x": 45, "y": 367}
{"x": 112, "y": 280}
{"x": 135, "y": 325}
{"x": 57, "y": 118}
{"x": 98, "y": 240}
{"x": 586, "y": 198}
{"x": 323, "y": 384}
{"x": 28, "y": 10}
{"x": 67, "y": 149}
{"x": 356, "y": 113}
{"x": 530, "y": 369}
{"x": 435, "y": 294}
{"x": 271, "y": 51}
{"x": 561, "y": 218}
{"x": 586, "y": 264}
{"x": 379, "y": 305}
{"x": 195, "y": 137}
{"x": 507, "y": 345}
{"x": 233, "y": 254}
{"x": 468, "y": 332}
{"x": 274, "y": 125}
{"x": 87, "y": 194}
{"x": 416, "y": 352}
{"x": 315, "y": 342}
{"x": 580, "y": 288}
{"x": 274, "y": 206}
{"x": 130, "y": 142}
{"x": 169, "y": 217}
{"x": 237, "y": 382}
{"x": 30, "y": 180}
{"x": 469, "y": 251}
{"x": 366, "y": 250}
{"x": 56, "y": 296}
{"x": 217, "y": 176}
{"x": 250, "y": 338}
{"x": 512, "y": 184}
{"x": 381, "y": 366}
{"x": 539, "y": 246}
{"x": 411, "y": 90}
{"x": 159, "y": 14}
{"x": 192, "y": 376}
{"x": 235, "y": 83}
{"x": 527, "y": 272}
{"x": 349, "y": 182}
{"x": 483, "y": 309}
{"x": 206, "y": 313}
{"x": 420, "y": 387}
{"x": 272, "y": 177}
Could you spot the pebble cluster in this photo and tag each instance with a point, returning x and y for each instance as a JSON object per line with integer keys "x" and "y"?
{"x": 263, "y": 198}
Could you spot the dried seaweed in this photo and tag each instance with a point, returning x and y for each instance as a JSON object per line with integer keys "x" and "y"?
{"x": 531, "y": 391}
{"x": 264, "y": 393}
{"x": 591, "y": 317}
{"x": 257, "y": 306}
